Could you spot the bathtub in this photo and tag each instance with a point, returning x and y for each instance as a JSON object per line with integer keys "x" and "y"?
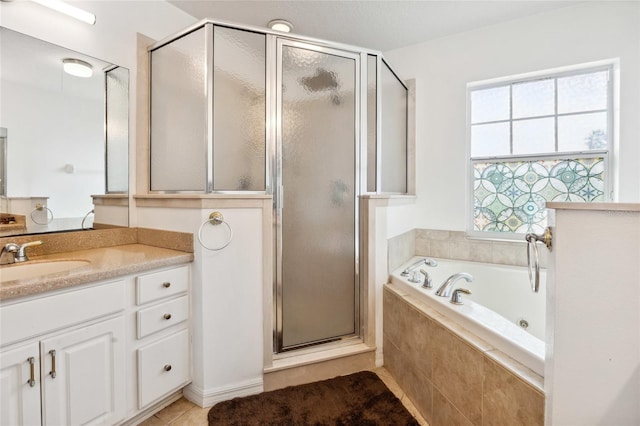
{"x": 502, "y": 309}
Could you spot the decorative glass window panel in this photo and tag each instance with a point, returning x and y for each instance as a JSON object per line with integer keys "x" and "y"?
{"x": 511, "y": 196}
{"x": 538, "y": 140}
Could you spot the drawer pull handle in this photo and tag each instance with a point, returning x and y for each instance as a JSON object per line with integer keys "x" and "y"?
{"x": 167, "y": 367}
{"x": 166, "y": 284}
{"x": 32, "y": 371}
{"x": 53, "y": 363}
{"x": 167, "y": 316}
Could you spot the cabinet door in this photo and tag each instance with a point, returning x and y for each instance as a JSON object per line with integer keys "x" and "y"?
{"x": 20, "y": 386}
{"x": 83, "y": 375}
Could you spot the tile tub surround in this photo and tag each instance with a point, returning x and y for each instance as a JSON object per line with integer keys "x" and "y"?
{"x": 452, "y": 377}
{"x": 456, "y": 245}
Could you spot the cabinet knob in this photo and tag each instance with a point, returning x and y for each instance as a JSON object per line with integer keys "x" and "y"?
{"x": 167, "y": 367}
{"x": 166, "y": 284}
{"x": 167, "y": 316}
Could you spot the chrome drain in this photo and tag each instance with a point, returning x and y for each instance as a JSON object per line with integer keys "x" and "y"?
{"x": 523, "y": 323}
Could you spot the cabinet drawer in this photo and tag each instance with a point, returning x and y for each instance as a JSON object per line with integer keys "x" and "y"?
{"x": 52, "y": 312}
{"x": 163, "y": 367}
{"x": 161, "y": 316}
{"x": 161, "y": 284}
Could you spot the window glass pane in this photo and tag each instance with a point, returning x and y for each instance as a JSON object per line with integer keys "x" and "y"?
{"x": 584, "y": 92}
{"x": 582, "y": 132}
{"x": 394, "y": 133}
{"x": 534, "y": 136}
{"x": 511, "y": 196}
{"x": 238, "y": 110}
{"x": 534, "y": 98}
{"x": 489, "y": 140}
{"x": 490, "y": 104}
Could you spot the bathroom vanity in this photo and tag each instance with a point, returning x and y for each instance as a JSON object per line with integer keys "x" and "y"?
{"x": 103, "y": 343}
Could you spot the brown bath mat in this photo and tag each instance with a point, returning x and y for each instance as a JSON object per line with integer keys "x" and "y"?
{"x": 356, "y": 399}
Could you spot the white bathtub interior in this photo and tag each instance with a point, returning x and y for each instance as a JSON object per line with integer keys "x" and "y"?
{"x": 501, "y": 298}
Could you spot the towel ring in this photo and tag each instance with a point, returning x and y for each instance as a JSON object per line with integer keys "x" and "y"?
{"x": 40, "y": 207}
{"x": 533, "y": 261}
{"x": 215, "y": 218}
{"x": 85, "y": 218}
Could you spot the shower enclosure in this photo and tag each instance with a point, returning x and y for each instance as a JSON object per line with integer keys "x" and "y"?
{"x": 247, "y": 110}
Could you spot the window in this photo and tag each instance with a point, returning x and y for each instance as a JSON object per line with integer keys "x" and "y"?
{"x": 534, "y": 141}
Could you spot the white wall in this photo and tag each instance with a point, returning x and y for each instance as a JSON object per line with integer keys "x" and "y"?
{"x": 588, "y": 32}
{"x": 592, "y": 373}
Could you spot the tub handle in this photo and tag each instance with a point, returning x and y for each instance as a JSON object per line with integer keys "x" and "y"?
{"x": 533, "y": 256}
{"x": 456, "y": 298}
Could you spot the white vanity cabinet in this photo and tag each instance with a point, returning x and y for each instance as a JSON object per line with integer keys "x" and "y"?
{"x": 162, "y": 342}
{"x": 74, "y": 340}
{"x": 99, "y": 353}
{"x": 19, "y": 388}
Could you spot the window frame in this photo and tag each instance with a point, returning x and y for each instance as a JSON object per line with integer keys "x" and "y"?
{"x": 607, "y": 154}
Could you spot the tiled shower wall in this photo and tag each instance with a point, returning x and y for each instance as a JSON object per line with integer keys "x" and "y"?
{"x": 456, "y": 245}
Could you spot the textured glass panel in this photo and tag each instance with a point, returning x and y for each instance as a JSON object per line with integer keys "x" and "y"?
{"x": 178, "y": 115}
{"x": 394, "y": 133}
{"x": 238, "y": 110}
{"x": 534, "y": 136}
{"x": 490, "y": 104}
{"x": 582, "y": 132}
{"x": 533, "y": 98}
{"x": 372, "y": 121}
{"x": 117, "y": 124}
{"x": 318, "y": 176}
{"x": 489, "y": 140}
{"x": 511, "y": 196}
{"x": 584, "y": 92}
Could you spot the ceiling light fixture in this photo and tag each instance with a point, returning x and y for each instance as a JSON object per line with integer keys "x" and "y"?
{"x": 68, "y": 10}
{"x": 77, "y": 67}
{"x": 280, "y": 25}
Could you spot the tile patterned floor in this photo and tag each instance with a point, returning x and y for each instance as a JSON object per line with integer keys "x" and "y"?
{"x": 185, "y": 413}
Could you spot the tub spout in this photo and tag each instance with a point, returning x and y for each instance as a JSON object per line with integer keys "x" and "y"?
{"x": 427, "y": 261}
{"x": 445, "y": 289}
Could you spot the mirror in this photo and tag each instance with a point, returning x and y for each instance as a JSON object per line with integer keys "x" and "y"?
{"x": 64, "y": 139}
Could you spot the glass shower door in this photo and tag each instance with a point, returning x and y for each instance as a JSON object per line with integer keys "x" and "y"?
{"x": 316, "y": 208}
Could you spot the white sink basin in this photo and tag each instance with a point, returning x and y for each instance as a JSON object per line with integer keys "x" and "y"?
{"x": 32, "y": 269}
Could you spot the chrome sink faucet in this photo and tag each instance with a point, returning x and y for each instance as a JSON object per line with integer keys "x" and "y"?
{"x": 18, "y": 251}
{"x": 445, "y": 289}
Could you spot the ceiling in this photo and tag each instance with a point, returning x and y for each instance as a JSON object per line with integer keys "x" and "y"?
{"x": 376, "y": 24}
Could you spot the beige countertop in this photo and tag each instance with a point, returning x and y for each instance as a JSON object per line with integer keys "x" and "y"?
{"x": 105, "y": 263}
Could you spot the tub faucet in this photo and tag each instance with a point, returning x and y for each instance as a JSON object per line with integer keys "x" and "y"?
{"x": 445, "y": 289}
{"x": 456, "y": 298}
{"x": 427, "y": 279}
{"x": 427, "y": 261}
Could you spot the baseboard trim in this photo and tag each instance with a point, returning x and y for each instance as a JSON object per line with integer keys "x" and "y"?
{"x": 210, "y": 397}
{"x": 150, "y": 411}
